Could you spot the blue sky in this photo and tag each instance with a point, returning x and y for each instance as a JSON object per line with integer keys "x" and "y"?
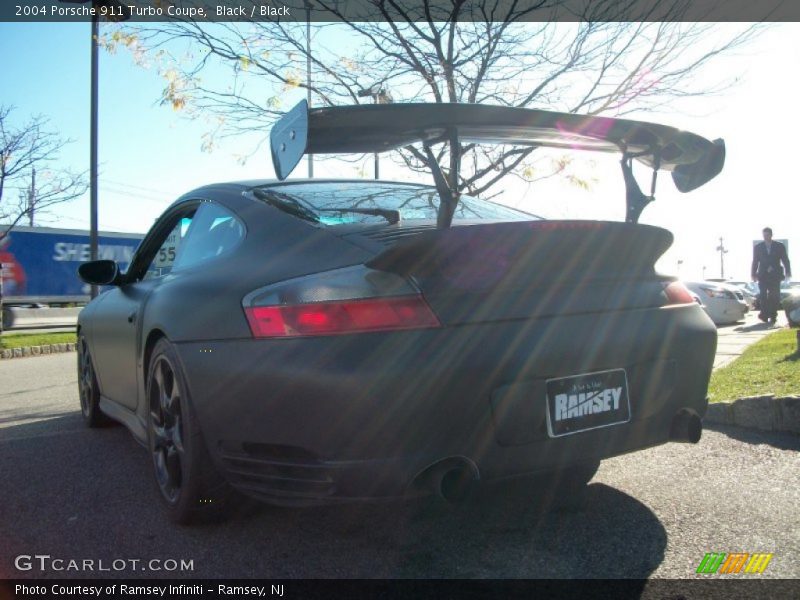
{"x": 150, "y": 154}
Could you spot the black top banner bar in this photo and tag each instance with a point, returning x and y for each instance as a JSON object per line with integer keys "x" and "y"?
{"x": 207, "y": 11}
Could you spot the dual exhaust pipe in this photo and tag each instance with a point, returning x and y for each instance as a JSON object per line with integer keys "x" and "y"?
{"x": 686, "y": 427}
{"x": 453, "y": 479}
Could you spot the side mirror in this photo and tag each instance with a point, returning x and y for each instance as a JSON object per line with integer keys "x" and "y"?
{"x": 99, "y": 272}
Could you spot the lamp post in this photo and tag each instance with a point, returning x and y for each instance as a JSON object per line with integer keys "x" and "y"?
{"x": 379, "y": 95}
{"x": 722, "y": 252}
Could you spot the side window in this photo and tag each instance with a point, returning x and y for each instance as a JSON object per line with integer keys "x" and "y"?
{"x": 167, "y": 254}
{"x": 214, "y": 232}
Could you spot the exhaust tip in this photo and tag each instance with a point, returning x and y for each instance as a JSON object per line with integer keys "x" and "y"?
{"x": 686, "y": 427}
{"x": 456, "y": 485}
{"x": 452, "y": 479}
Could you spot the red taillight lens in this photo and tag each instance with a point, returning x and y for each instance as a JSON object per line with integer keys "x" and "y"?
{"x": 677, "y": 293}
{"x": 348, "y": 316}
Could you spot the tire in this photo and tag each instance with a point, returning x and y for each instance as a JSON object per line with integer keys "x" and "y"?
{"x": 192, "y": 489}
{"x": 88, "y": 390}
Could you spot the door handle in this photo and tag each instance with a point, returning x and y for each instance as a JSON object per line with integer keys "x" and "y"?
{"x": 132, "y": 317}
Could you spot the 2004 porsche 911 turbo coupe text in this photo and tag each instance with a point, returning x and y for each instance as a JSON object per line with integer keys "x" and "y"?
{"x": 311, "y": 341}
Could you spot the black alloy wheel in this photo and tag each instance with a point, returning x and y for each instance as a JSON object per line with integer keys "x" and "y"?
{"x": 166, "y": 424}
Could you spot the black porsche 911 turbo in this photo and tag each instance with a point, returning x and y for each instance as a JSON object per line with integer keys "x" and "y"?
{"x": 313, "y": 341}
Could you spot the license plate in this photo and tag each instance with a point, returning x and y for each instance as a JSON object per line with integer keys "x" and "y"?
{"x": 587, "y": 401}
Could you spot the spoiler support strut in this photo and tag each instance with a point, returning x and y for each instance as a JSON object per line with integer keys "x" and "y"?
{"x": 635, "y": 199}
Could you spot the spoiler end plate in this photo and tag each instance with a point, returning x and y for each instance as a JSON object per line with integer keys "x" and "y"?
{"x": 288, "y": 140}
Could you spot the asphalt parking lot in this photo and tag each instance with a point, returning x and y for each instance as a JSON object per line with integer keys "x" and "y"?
{"x": 77, "y": 494}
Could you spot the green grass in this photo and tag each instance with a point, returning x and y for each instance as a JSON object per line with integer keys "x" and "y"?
{"x": 770, "y": 366}
{"x": 18, "y": 340}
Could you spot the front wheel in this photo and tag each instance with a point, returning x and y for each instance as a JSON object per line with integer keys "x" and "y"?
{"x": 190, "y": 486}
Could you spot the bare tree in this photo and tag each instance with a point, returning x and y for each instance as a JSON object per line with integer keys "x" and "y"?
{"x": 461, "y": 51}
{"x": 24, "y": 150}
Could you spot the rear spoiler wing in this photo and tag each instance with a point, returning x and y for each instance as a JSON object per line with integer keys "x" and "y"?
{"x": 691, "y": 159}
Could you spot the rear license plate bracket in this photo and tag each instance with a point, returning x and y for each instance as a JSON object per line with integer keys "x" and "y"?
{"x": 587, "y": 401}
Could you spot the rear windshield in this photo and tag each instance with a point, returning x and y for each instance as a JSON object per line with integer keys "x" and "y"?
{"x": 412, "y": 202}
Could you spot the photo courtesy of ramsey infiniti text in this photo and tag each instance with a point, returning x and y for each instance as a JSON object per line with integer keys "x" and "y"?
{"x": 315, "y": 341}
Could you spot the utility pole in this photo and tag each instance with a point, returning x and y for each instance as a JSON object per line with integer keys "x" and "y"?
{"x": 93, "y": 146}
{"x": 308, "y": 77}
{"x": 379, "y": 95}
{"x": 32, "y": 197}
{"x": 722, "y": 252}
{"x": 377, "y": 170}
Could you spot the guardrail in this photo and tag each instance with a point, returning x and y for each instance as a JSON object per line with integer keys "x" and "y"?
{"x": 17, "y": 317}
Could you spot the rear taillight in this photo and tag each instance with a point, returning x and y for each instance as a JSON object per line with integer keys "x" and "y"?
{"x": 677, "y": 293}
{"x": 350, "y": 300}
{"x": 332, "y": 318}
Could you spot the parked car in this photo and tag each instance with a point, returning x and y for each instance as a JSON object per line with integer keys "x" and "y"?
{"x": 724, "y": 303}
{"x": 314, "y": 341}
{"x": 754, "y": 290}
{"x": 750, "y": 295}
{"x": 789, "y": 289}
{"x": 790, "y": 302}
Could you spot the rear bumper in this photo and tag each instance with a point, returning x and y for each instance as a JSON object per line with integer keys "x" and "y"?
{"x": 321, "y": 419}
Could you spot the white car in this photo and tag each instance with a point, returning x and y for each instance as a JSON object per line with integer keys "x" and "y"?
{"x": 790, "y": 302}
{"x": 750, "y": 292}
{"x": 724, "y": 303}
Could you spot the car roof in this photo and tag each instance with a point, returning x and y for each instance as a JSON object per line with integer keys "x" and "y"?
{"x": 248, "y": 184}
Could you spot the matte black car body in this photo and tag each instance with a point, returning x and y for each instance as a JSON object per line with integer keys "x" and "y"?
{"x": 316, "y": 419}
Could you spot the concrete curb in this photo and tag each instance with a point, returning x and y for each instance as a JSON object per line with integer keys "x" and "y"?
{"x": 37, "y": 350}
{"x": 766, "y": 413}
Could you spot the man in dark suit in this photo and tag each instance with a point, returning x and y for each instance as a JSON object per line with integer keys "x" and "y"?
{"x": 767, "y": 270}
